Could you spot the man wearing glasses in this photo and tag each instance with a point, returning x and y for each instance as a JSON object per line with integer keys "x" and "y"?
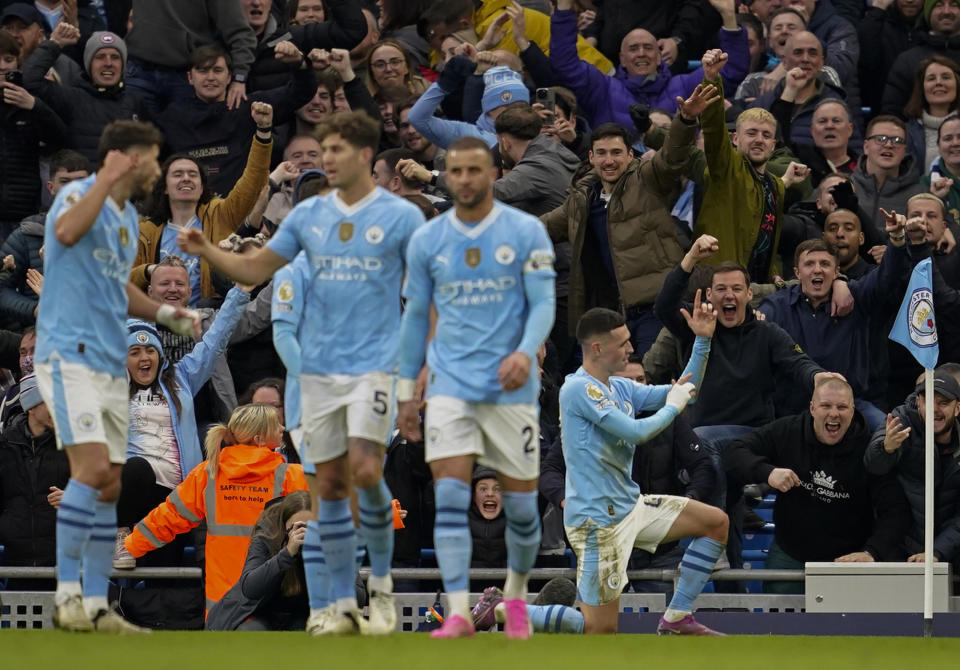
{"x": 885, "y": 177}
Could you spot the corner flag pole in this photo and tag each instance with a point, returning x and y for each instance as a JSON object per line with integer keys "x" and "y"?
{"x": 928, "y": 506}
{"x": 916, "y": 329}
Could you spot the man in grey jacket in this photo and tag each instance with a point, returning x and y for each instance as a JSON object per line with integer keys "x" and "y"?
{"x": 885, "y": 176}
{"x": 540, "y": 167}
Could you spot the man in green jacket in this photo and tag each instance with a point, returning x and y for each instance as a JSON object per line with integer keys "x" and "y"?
{"x": 617, "y": 219}
{"x": 743, "y": 204}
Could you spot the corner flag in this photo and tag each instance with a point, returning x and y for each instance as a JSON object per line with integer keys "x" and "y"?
{"x": 915, "y": 326}
{"x": 916, "y": 329}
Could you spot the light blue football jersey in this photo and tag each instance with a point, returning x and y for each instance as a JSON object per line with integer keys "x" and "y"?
{"x": 356, "y": 255}
{"x": 475, "y": 274}
{"x": 599, "y": 483}
{"x": 599, "y": 465}
{"x": 83, "y": 311}
{"x": 290, "y": 286}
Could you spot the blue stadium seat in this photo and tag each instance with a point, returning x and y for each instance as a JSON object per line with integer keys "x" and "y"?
{"x": 759, "y": 539}
{"x": 428, "y": 558}
{"x": 768, "y": 501}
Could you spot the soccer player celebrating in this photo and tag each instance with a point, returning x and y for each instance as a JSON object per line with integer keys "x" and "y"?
{"x": 605, "y": 514}
{"x": 91, "y": 242}
{"x": 488, "y": 270}
{"x": 355, "y": 239}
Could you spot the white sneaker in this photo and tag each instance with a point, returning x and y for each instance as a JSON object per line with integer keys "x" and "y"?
{"x": 342, "y": 623}
{"x": 110, "y": 621}
{"x": 317, "y": 622}
{"x": 70, "y": 615}
{"x": 123, "y": 559}
{"x": 383, "y": 614}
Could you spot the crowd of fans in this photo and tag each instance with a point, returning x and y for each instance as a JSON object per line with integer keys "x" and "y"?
{"x": 798, "y": 205}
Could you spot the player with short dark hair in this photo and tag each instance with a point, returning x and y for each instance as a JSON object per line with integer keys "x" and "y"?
{"x": 91, "y": 241}
{"x": 605, "y": 514}
{"x": 355, "y": 239}
{"x": 488, "y": 270}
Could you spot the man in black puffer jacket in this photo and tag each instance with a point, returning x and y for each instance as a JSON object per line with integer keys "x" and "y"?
{"x": 898, "y": 448}
{"x": 828, "y": 507}
{"x": 97, "y": 98}
{"x": 26, "y": 123}
{"x": 18, "y": 302}
{"x": 32, "y": 475}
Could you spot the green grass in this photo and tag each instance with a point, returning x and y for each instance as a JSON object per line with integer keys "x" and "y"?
{"x": 39, "y": 650}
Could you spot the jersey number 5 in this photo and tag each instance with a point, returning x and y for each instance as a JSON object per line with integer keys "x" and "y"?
{"x": 380, "y": 402}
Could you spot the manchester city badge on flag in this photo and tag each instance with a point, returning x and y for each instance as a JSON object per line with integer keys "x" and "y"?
{"x": 916, "y": 327}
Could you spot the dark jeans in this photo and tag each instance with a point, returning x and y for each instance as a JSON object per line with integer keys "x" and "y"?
{"x": 568, "y": 350}
{"x": 874, "y": 416}
{"x": 157, "y": 86}
{"x": 140, "y": 493}
{"x": 727, "y": 496}
{"x": 644, "y": 327}
{"x": 409, "y": 479}
{"x": 778, "y": 559}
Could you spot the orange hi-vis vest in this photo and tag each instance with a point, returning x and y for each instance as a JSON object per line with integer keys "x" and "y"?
{"x": 247, "y": 478}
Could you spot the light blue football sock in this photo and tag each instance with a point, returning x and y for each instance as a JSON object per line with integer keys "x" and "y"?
{"x": 523, "y": 530}
{"x": 75, "y": 518}
{"x": 375, "y": 512}
{"x": 315, "y": 568}
{"x": 555, "y": 619}
{"x": 523, "y": 541}
{"x": 98, "y": 557}
{"x": 451, "y": 534}
{"x": 338, "y": 538}
{"x": 696, "y": 568}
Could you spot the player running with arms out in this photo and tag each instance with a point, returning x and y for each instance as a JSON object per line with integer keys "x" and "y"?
{"x": 488, "y": 269}
{"x": 91, "y": 242}
{"x": 355, "y": 239}
{"x": 605, "y": 514}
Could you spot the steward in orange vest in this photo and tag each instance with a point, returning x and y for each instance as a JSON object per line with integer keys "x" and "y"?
{"x": 229, "y": 490}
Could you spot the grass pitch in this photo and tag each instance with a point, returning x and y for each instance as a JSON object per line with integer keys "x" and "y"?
{"x": 37, "y": 650}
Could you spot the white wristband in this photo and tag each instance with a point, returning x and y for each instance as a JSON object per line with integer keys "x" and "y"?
{"x": 405, "y": 389}
{"x": 182, "y": 325}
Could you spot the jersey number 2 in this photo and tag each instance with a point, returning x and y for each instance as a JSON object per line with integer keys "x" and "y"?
{"x": 528, "y": 447}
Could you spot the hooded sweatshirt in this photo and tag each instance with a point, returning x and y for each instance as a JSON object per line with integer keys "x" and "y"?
{"x": 838, "y": 508}
{"x": 738, "y": 384}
